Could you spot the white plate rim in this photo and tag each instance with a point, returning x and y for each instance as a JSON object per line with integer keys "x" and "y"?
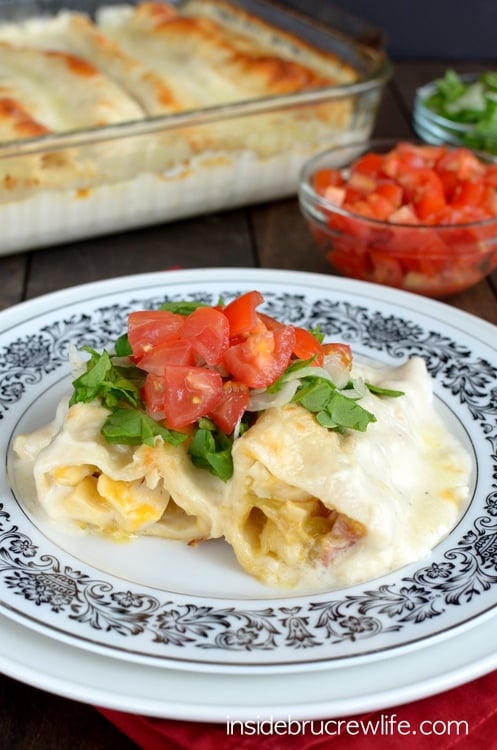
{"x": 437, "y": 312}
{"x": 142, "y": 689}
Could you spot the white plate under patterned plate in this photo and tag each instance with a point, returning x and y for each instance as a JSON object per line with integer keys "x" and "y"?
{"x": 162, "y": 604}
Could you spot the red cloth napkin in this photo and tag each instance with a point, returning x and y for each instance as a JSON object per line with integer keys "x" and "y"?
{"x": 464, "y": 718}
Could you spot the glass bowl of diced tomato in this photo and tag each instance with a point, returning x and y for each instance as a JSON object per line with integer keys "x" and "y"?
{"x": 409, "y": 215}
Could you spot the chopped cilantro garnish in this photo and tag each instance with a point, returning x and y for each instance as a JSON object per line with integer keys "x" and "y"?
{"x": 210, "y": 449}
{"x": 294, "y": 367}
{"x": 125, "y": 426}
{"x": 184, "y": 307}
{"x": 122, "y": 387}
{"x": 333, "y": 410}
{"x": 104, "y": 381}
{"x": 318, "y": 334}
{"x": 379, "y": 391}
{"x": 472, "y": 103}
{"x": 122, "y": 346}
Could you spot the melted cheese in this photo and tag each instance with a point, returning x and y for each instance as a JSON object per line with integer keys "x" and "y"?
{"x": 397, "y": 488}
{"x": 113, "y": 489}
{"x": 149, "y": 59}
{"x": 75, "y": 34}
{"x": 78, "y": 96}
{"x": 306, "y": 507}
{"x": 70, "y": 72}
{"x": 203, "y": 61}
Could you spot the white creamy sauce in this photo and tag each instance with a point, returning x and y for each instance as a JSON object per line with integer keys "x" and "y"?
{"x": 412, "y": 472}
{"x": 406, "y": 481}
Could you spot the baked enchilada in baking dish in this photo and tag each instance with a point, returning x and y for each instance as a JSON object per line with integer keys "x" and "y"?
{"x": 133, "y": 103}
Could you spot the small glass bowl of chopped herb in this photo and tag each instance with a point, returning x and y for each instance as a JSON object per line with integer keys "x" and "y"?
{"x": 460, "y": 110}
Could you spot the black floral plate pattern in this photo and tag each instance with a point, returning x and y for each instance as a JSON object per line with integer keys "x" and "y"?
{"x": 47, "y": 588}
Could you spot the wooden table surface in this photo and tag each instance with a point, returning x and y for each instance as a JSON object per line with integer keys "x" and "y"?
{"x": 272, "y": 235}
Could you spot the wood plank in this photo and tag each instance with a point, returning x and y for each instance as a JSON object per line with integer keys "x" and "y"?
{"x": 13, "y": 270}
{"x": 283, "y": 239}
{"x": 391, "y": 120}
{"x": 479, "y": 300}
{"x": 33, "y": 719}
{"x": 214, "y": 240}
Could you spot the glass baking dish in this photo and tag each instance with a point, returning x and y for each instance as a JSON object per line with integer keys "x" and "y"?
{"x": 97, "y": 180}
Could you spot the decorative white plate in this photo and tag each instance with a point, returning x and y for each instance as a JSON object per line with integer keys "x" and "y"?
{"x": 92, "y": 678}
{"x": 162, "y": 604}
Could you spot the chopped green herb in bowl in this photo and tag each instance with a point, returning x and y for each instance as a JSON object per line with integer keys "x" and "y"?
{"x": 459, "y": 109}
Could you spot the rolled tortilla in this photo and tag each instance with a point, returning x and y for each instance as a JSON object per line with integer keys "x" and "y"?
{"x": 310, "y": 506}
{"x": 117, "y": 489}
{"x": 306, "y": 507}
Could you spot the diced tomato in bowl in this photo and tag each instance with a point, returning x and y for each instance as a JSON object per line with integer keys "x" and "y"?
{"x": 406, "y": 214}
